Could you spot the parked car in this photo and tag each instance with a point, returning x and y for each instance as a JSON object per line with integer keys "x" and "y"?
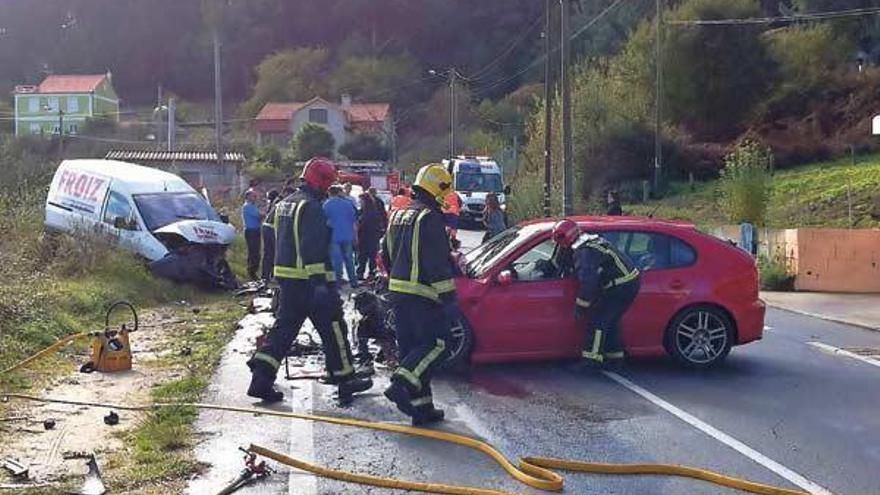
{"x": 698, "y": 297}
{"x": 153, "y": 213}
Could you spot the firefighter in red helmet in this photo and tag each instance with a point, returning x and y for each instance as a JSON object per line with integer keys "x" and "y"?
{"x": 308, "y": 289}
{"x": 608, "y": 282}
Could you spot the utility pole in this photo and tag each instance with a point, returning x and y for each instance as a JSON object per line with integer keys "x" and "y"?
{"x": 158, "y": 112}
{"x": 218, "y": 96}
{"x": 548, "y": 107}
{"x": 452, "y": 112}
{"x": 567, "y": 171}
{"x": 171, "y": 124}
{"x": 60, "y": 131}
{"x": 658, "y": 87}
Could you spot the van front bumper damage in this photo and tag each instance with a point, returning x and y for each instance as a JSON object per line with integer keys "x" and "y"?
{"x": 203, "y": 265}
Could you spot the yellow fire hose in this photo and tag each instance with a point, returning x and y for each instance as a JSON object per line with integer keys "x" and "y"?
{"x": 535, "y": 472}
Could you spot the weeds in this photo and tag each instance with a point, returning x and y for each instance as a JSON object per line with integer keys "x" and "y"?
{"x": 774, "y": 273}
{"x": 744, "y": 184}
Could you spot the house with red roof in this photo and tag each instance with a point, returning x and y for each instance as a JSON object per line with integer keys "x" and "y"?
{"x": 278, "y": 122}
{"x": 64, "y": 103}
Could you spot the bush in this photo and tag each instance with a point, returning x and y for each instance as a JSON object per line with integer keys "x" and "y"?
{"x": 745, "y": 183}
{"x": 311, "y": 141}
{"x": 365, "y": 147}
{"x": 774, "y": 273}
{"x": 806, "y": 55}
{"x": 264, "y": 172}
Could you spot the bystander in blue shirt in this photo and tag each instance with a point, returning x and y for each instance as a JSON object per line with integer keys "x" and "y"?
{"x": 250, "y": 215}
{"x": 341, "y": 217}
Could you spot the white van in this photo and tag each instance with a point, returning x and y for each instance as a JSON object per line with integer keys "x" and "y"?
{"x": 153, "y": 213}
{"x": 473, "y": 178}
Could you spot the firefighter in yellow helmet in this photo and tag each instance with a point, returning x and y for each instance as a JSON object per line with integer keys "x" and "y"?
{"x": 416, "y": 254}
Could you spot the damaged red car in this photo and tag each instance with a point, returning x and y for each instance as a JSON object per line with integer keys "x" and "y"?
{"x": 698, "y": 298}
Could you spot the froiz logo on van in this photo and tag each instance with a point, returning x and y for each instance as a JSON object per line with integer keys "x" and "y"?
{"x": 204, "y": 233}
{"x": 80, "y": 185}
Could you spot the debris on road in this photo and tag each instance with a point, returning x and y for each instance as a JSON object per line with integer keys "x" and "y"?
{"x": 93, "y": 484}
{"x": 16, "y": 468}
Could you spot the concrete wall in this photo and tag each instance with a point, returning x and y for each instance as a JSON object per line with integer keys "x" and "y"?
{"x": 838, "y": 260}
{"x": 822, "y": 260}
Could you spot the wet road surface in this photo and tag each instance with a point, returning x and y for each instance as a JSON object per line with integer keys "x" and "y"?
{"x": 784, "y": 410}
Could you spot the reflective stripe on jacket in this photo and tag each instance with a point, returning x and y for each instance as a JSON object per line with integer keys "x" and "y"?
{"x": 415, "y": 250}
{"x": 302, "y": 248}
{"x": 598, "y": 266}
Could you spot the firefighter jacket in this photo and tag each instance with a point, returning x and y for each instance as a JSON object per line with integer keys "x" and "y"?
{"x": 302, "y": 246}
{"x": 598, "y": 267}
{"x": 416, "y": 253}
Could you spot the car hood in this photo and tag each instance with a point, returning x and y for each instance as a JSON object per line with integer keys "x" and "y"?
{"x": 200, "y": 231}
{"x": 477, "y": 197}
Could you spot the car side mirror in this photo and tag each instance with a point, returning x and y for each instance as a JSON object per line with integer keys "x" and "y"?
{"x": 506, "y": 190}
{"x": 224, "y": 218}
{"x": 505, "y": 277}
{"x": 120, "y": 223}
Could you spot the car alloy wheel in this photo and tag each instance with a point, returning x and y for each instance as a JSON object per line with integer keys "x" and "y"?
{"x": 701, "y": 336}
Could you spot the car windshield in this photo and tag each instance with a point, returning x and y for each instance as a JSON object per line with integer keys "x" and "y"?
{"x": 161, "y": 209}
{"x": 478, "y": 182}
{"x": 480, "y": 259}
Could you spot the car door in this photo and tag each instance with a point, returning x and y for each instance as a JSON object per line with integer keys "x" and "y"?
{"x": 531, "y": 316}
{"x": 120, "y": 221}
{"x": 666, "y": 284}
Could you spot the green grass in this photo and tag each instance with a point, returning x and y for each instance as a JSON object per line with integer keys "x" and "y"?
{"x": 811, "y": 195}
{"x": 160, "y": 447}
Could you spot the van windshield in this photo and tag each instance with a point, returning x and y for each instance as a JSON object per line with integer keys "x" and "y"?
{"x": 478, "y": 182}
{"x": 161, "y": 209}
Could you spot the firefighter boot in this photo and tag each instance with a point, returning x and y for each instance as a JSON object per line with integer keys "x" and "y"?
{"x": 400, "y": 396}
{"x": 263, "y": 387}
{"x": 352, "y": 386}
{"x": 427, "y": 415}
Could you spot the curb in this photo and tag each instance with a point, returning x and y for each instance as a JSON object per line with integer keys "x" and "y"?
{"x": 832, "y": 319}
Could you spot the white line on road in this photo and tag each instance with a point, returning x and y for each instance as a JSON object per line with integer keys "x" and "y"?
{"x": 841, "y": 352}
{"x": 722, "y": 437}
{"x": 302, "y": 443}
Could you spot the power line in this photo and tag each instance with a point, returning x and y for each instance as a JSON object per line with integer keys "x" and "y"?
{"x": 542, "y": 57}
{"x": 815, "y": 16}
{"x": 497, "y": 60}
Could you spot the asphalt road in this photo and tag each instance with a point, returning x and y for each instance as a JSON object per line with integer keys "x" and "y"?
{"x": 783, "y": 410}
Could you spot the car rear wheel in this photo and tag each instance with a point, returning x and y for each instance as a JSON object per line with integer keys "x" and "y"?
{"x": 700, "y": 337}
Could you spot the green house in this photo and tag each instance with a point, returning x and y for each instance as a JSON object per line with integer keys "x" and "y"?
{"x": 66, "y": 100}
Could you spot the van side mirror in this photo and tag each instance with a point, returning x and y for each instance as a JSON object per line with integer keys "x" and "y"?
{"x": 506, "y": 189}
{"x": 505, "y": 277}
{"x": 224, "y": 218}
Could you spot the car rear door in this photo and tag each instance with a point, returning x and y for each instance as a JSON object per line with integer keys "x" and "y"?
{"x": 666, "y": 284}
{"x": 531, "y": 317}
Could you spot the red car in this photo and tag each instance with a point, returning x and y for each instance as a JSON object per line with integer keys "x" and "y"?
{"x": 698, "y": 298}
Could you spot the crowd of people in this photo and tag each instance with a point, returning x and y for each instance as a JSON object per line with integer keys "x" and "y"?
{"x": 356, "y": 226}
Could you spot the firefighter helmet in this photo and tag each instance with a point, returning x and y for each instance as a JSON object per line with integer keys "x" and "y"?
{"x": 435, "y": 180}
{"x": 565, "y": 232}
{"x": 319, "y": 173}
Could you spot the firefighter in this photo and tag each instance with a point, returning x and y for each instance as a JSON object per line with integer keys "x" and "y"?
{"x": 608, "y": 282}
{"x": 416, "y": 253}
{"x": 307, "y": 289}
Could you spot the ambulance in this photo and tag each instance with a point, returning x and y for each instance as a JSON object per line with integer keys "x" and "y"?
{"x": 152, "y": 213}
{"x": 473, "y": 178}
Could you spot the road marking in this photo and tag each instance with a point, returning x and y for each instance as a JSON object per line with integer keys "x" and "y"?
{"x": 722, "y": 437}
{"x": 842, "y": 352}
{"x": 767, "y": 327}
{"x": 302, "y": 442}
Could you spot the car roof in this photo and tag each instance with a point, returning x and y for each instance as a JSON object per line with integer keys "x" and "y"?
{"x": 131, "y": 178}
{"x": 588, "y": 221}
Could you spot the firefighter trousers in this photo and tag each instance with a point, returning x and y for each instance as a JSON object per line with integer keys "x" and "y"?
{"x": 603, "y": 335}
{"x": 295, "y": 304}
{"x": 422, "y": 341}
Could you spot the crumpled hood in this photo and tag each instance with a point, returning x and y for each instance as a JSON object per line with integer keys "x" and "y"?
{"x": 477, "y": 197}
{"x": 201, "y": 231}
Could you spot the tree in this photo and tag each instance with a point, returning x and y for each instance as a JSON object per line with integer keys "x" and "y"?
{"x": 377, "y": 78}
{"x": 365, "y": 147}
{"x": 311, "y": 141}
{"x": 291, "y": 75}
